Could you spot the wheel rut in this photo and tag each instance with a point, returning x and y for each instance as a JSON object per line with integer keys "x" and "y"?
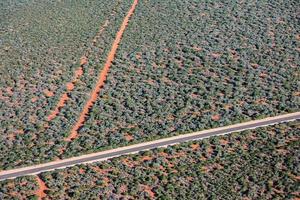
{"x": 102, "y": 76}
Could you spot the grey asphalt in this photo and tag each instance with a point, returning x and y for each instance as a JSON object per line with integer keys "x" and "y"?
{"x": 146, "y": 147}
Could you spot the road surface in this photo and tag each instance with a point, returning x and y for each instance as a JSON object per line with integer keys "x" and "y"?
{"x": 104, "y": 155}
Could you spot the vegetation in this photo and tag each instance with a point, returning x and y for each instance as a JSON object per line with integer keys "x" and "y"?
{"x": 256, "y": 164}
{"x": 182, "y": 66}
{"x": 37, "y": 60}
{"x": 189, "y": 65}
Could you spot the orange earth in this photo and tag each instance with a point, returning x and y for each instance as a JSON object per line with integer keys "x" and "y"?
{"x": 103, "y": 75}
{"x": 42, "y": 187}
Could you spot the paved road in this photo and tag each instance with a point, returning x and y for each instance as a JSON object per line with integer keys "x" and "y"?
{"x": 104, "y": 155}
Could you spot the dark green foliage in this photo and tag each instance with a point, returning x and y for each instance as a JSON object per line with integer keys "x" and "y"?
{"x": 57, "y": 34}
{"x": 182, "y": 66}
{"x": 189, "y": 65}
{"x": 20, "y": 188}
{"x": 256, "y": 164}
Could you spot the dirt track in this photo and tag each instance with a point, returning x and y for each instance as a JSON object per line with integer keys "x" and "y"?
{"x": 102, "y": 75}
{"x": 77, "y": 74}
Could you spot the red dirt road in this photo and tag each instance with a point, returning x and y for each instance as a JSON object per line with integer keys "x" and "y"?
{"x": 42, "y": 187}
{"x": 79, "y": 72}
{"x": 103, "y": 74}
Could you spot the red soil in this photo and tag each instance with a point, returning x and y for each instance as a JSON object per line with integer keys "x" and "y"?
{"x": 195, "y": 146}
{"x": 197, "y": 48}
{"x": 163, "y": 154}
{"x": 103, "y": 74}
{"x": 216, "y": 117}
{"x": 263, "y": 75}
{"x": 128, "y": 162}
{"x": 215, "y": 55}
{"x": 296, "y": 94}
{"x": 128, "y": 137}
{"x": 223, "y": 142}
{"x": 149, "y": 191}
{"x": 79, "y": 72}
{"x": 70, "y": 86}
{"x": 295, "y": 177}
{"x": 81, "y": 171}
{"x": 60, "y": 104}
{"x": 48, "y": 93}
{"x": 9, "y": 91}
{"x": 11, "y": 137}
{"x": 101, "y": 171}
{"x": 42, "y": 187}
{"x": 146, "y": 158}
{"x": 34, "y": 99}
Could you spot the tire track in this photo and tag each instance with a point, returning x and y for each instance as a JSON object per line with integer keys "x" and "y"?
{"x": 102, "y": 75}
{"x": 77, "y": 74}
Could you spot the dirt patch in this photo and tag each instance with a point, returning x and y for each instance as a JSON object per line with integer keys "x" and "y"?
{"x": 128, "y": 137}
{"x": 297, "y": 94}
{"x": 81, "y": 171}
{"x": 123, "y": 188}
{"x": 195, "y": 146}
{"x": 215, "y": 55}
{"x": 78, "y": 72}
{"x": 83, "y": 60}
{"x": 209, "y": 150}
{"x": 60, "y": 104}
{"x": 254, "y": 65}
{"x": 148, "y": 190}
{"x": 228, "y": 106}
{"x": 127, "y": 162}
{"x": 216, "y": 117}
{"x": 234, "y": 55}
{"x": 263, "y": 75}
{"x": 70, "y": 86}
{"x": 297, "y": 178}
{"x": 102, "y": 75}
{"x": 146, "y": 158}
{"x": 163, "y": 154}
{"x": 223, "y": 142}
{"x": 198, "y": 49}
{"x": 42, "y": 188}
{"x": 11, "y": 136}
{"x": 34, "y": 99}
{"x": 101, "y": 171}
{"x": 48, "y": 93}
{"x": 9, "y": 91}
